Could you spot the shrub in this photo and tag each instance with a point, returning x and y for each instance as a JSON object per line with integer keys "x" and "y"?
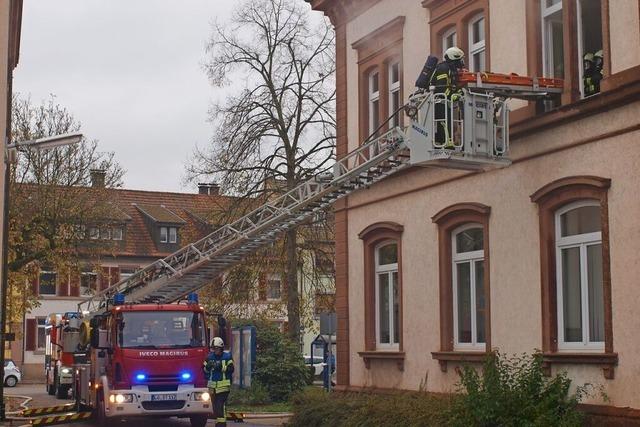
{"x": 280, "y": 367}
{"x": 255, "y": 395}
{"x": 316, "y": 408}
{"x": 515, "y": 392}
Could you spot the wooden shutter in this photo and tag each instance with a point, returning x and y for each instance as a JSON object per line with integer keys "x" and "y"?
{"x": 31, "y": 334}
{"x": 75, "y": 284}
{"x": 62, "y": 288}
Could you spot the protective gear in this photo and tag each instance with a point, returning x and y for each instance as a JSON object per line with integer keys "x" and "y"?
{"x": 218, "y": 369}
{"x": 592, "y": 74}
{"x": 588, "y": 57}
{"x": 453, "y": 54}
{"x": 445, "y": 81}
{"x": 598, "y": 54}
{"x": 217, "y": 342}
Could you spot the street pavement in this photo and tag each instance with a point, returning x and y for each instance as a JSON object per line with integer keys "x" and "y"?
{"x": 42, "y": 399}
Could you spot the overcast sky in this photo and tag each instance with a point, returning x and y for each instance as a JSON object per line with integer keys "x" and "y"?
{"x": 131, "y": 72}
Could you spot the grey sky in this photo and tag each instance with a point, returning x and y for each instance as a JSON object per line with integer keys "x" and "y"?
{"x": 130, "y": 71}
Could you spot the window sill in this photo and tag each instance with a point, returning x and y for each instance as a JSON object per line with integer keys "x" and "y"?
{"x": 606, "y": 360}
{"x": 443, "y": 357}
{"x": 367, "y": 356}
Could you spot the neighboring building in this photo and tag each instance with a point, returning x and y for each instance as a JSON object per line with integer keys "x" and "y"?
{"x": 540, "y": 255}
{"x": 10, "y": 22}
{"x": 143, "y": 226}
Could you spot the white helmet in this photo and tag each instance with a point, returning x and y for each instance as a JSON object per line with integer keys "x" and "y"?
{"x": 453, "y": 54}
{"x": 217, "y": 342}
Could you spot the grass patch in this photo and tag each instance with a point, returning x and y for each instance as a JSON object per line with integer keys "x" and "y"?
{"x": 269, "y": 407}
{"x": 316, "y": 408}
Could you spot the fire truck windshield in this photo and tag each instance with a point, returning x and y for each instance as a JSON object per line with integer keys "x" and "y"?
{"x": 161, "y": 329}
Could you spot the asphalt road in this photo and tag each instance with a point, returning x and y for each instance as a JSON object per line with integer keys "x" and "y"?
{"x": 41, "y": 398}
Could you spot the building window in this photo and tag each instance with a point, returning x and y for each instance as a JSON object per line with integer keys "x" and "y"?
{"x": 47, "y": 283}
{"x": 173, "y": 235}
{"x": 105, "y": 233}
{"x": 579, "y": 276}
{"x": 575, "y": 273}
{"x": 552, "y": 39}
{"x": 379, "y": 77}
{"x": 382, "y": 287}
{"x": 126, "y": 272}
{"x": 88, "y": 282}
{"x": 590, "y": 43}
{"x": 41, "y": 336}
{"x": 163, "y": 235}
{"x": 394, "y": 94}
{"x": 387, "y": 298}
{"x": 477, "y": 44}
{"x": 464, "y": 283}
{"x": 449, "y": 39}
{"x": 374, "y": 101}
{"x": 467, "y": 260}
{"x": 116, "y": 233}
{"x": 168, "y": 235}
{"x": 94, "y": 233}
{"x": 274, "y": 289}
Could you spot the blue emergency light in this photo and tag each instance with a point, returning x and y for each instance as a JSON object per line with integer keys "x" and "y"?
{"x": 186, "y": 376}
{"x": 118, "y": 299}
{"x": 192, "y": 298}
{"x": 141, "y": 377}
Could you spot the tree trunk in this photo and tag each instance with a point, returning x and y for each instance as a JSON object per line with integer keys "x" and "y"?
{"x": 293, "y": 299}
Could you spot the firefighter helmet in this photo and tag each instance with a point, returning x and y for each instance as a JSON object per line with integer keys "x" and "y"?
{"x": 217, "y": 342}
{"x": 588, "y": 57}
{"x": 453, "y": 54}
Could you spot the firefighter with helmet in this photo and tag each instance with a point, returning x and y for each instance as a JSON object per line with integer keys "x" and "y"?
{"x": 592, "y": 72}
{"x": 445, "y": 81}
{"x": 218, "y": 367}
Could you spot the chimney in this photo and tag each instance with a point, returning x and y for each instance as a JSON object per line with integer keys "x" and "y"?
{"x": 210, "y": 188}
{"x": 97, "y": 177}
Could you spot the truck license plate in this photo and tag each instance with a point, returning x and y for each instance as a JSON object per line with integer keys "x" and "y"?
{"x": 164, "y": 397}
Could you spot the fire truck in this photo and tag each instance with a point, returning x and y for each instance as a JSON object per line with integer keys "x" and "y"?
{"x": 61, "y": 354}
{"x": 144, "y": 349}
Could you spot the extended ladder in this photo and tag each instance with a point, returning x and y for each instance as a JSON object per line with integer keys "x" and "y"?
{"x": 483, "y": 144}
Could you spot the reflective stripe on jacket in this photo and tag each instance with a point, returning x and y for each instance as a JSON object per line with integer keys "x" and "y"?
{"x": 219, "y": 371}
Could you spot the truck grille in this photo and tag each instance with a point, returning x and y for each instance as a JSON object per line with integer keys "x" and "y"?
{"x": 166, "y": 405}
{"x": 172, "y": 378}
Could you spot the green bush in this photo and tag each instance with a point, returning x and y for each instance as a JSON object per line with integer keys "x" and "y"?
{"x": 280, "y": 368}
{"x": 515, "y": 392}
{"x": 316, "y": 408}
{"x": 255, "y": 395}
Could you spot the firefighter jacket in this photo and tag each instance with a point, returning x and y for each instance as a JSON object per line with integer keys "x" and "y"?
{"x": 219, "y": 371}
{"x": 445, "y": 80}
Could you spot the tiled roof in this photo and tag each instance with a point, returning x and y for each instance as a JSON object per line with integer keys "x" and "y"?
{"x": 160, "y": 214}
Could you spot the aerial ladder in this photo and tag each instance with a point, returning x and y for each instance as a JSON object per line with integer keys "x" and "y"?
{"x": 478, "y": 124}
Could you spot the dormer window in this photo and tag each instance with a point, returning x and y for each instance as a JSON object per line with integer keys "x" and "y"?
{"x": 116, "y": 233}
{"x": 168, "y": 235}
{"x": 94, "y": 233}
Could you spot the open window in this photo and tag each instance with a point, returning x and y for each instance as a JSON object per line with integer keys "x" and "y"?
{"x": 374, "y": 101}
{"x": 477, "y": 61}
{"x": 590, "y": 46}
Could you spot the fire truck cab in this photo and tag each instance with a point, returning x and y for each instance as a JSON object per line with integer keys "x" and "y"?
{"x": 145, "y": 360}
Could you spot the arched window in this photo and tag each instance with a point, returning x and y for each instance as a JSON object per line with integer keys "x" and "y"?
{"x": 387, "y": 295}
{"x": 449, "y": 39}
{"x": 467, "y": 272}
{"x": 579, "y": 276}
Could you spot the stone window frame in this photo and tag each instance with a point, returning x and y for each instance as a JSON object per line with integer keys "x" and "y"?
{"x": 550, "y": 198}
{"x": 376, "y": 52}
{"x": 446, "y": 15}
{"x": 372, "y": 236}
{"x": 448, "y": 221}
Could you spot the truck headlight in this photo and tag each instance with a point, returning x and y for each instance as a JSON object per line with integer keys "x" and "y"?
{"x": 66, "y": 371}
{"x": 202, "y": 396}
{"x": 121, "y": 398}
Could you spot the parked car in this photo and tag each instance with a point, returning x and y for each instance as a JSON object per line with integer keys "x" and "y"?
{"x": 318, "y": 364}
{"x": 12, "y": 375}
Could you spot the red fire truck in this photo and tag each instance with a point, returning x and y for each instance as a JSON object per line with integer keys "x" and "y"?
{"x": 144, "y": 360}
{"x": 61, "y": 353}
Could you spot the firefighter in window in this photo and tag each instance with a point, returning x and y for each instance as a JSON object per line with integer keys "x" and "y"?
{"x": 592, "y": 72}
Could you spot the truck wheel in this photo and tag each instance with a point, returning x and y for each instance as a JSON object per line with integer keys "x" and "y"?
{"x": 62, "y": 392}
{"x": 198, "y": 420}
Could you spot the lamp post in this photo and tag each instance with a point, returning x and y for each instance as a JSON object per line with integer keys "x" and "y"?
{"x": 40, "y": 143}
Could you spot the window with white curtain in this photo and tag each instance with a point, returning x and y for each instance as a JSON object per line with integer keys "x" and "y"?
{"x": 468, "y": 287}
{"x": 387, "y": 295}
{"x": 552, "y": 38}
{"x": 579, "y": 277}
{"x": 449, "y": 39}
{"x": 477, "y": 61}
{"x": 394, "y": 93}
{"x": 374, "y": 101}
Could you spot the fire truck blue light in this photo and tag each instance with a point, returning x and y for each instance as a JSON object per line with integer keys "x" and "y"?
{"x": 186, "y": 376}
{"x": 141, "y": 377}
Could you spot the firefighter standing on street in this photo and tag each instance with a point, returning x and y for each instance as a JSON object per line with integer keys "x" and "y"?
{"x": 445, "y": 81}
{"x": 218, "y": 367}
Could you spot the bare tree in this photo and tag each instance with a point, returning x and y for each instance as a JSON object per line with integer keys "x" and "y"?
{"x": 277, "y": 128}
{"x": 51, "y": 200}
